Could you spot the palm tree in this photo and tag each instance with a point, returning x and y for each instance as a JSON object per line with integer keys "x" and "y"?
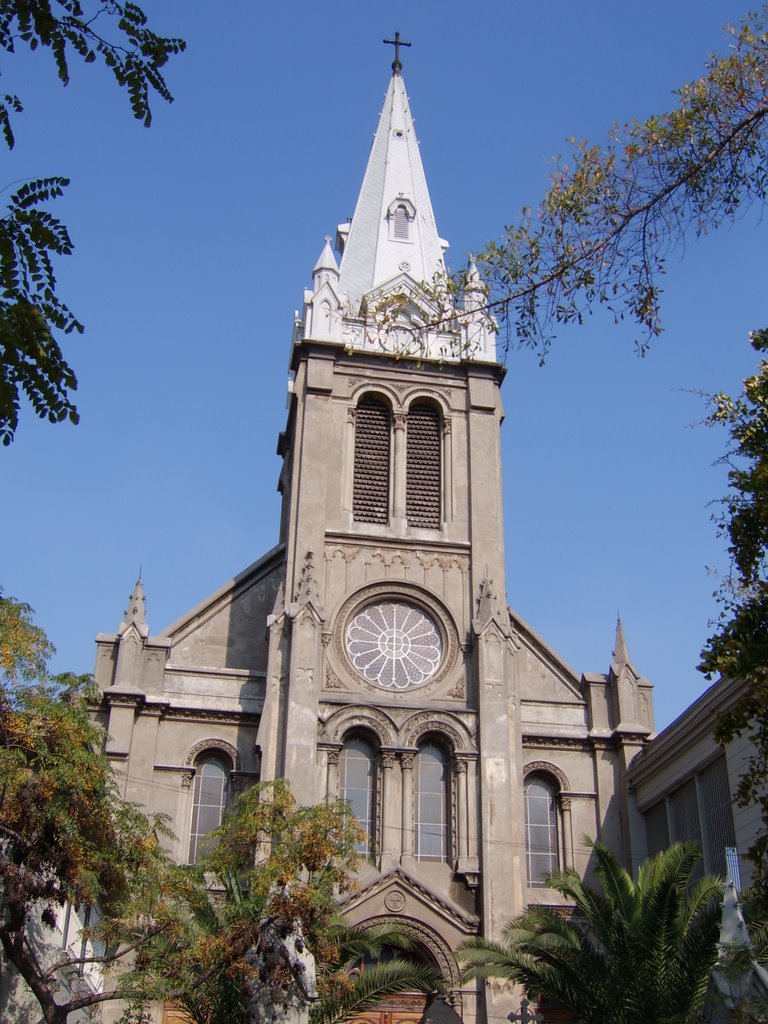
{"x": 631, "y": 953}
{"x": 362, "y": 971}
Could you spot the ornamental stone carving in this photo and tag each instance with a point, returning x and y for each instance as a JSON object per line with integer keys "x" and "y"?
{"x": 395, "y": 901}
{"x": 547, "y": 768}
{"x": 214, "y": 745}
{"x": 346, "y": 719}
{"x": 440, "y": 724}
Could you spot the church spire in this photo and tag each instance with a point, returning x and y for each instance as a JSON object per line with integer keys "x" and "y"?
{"x": 620, "y": 652}
{"x": 393, "y": 229}
{"x": 135, "y": 613}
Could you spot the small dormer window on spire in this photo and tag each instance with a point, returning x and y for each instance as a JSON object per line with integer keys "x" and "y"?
{"x": 400, "y": 215}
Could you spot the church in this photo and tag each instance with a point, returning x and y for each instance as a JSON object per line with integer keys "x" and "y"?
{"x": 370, "y": 655}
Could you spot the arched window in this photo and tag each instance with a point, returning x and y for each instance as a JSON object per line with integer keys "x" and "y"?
{"x": 210, "y": 801}
{"x": 540, "y": 828}
{"x": 370, "y": 496}
{"x": 357, "y": 785}
{"x": 432, "y": 834}
{"x": 423, "y": 458}
{"x": 401, "y": 228}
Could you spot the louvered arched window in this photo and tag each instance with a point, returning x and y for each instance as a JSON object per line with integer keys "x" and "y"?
{"x": 357, "y": 785}
{"x": 402, "y": 223}
{"x": 432, "y": 833}
{"x": 210, "y": 801}
{"x": 541, "y": 845}
{"x": 423, "y": 462}
{"x": 370, "y": 496}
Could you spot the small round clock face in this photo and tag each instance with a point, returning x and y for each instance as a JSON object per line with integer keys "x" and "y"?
{"x": 394, "y": 645}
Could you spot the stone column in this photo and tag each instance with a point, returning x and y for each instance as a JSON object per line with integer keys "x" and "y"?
{"x": 447, "y": 472}
{"x": 565, "y": 811}
{"x": 398, "y": 477}
{"x": 462, "y": 836}
{"x": 349, "y": 462}
{"x": 389, "y": 825}
{"x": 407, "y": 761}
{"x": 332, "y": 774}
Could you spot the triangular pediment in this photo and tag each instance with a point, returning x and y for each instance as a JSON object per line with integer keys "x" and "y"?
{"x": 542, "y": 673}
{"x": 409, "y": 294}
{"x": 227, "y": 630}
{"x": 401, "y": 894}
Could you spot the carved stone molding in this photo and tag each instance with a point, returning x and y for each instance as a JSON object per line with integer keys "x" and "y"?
{"x": 458, "y": 690}
{"x": 214, "y": 745}
{"x": 547, "y": 768}
{"x": 332, "y": 681}
{"x": 241, "y": 781}
{"x": 347, "y": 719}
{"x": 440, "y": 397}
{"x": 424, "y": 936}
{"x": 408, "y": 760}
{"x": 556, "y": 742}
{"x": 208, "y": 716}
{"x": 359, "y": 386}
{"x": 332, "y": 754}
{"x": 439, "y": 723}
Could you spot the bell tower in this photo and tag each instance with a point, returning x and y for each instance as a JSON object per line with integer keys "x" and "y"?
{"x": 389, "y": 680}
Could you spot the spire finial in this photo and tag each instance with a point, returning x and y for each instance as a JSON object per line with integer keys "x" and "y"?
{"x": 397, "y": 42}
{"x": 620, "y": 653}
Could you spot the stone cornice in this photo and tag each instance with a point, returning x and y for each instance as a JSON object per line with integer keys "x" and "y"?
{"x": 537, "y": 741}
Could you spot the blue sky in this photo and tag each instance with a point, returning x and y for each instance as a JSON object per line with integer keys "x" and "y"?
{"x": 194, "y": 240}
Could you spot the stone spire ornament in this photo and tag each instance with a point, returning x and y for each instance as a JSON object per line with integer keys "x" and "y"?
{"x": 136, "y": 612}
{"x": 620, "y": 652}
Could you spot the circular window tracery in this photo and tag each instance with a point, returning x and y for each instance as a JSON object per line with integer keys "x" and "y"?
{"x": 394, "y": 645}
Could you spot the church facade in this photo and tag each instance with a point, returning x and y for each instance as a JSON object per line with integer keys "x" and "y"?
{"x": 371, "y": 655}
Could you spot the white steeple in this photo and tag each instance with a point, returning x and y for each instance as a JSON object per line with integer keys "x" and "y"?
{"x": 389, "y": 293}
{"x": 393, "y": 229}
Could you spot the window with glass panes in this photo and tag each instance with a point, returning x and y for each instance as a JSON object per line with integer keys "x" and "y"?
{"x": 431, "y": 803}
{"x": 210, "y": 800}
{"x": 540, "y": 829}
{"x": 358, "y": 787}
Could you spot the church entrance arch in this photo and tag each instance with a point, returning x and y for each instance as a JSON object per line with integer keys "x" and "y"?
{"x": 429, "y": 949}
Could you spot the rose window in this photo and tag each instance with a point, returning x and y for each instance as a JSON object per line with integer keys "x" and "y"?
{"x": 394, "y": 645}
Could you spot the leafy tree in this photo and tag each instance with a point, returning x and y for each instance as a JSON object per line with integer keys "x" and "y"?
{"x": 221, "y": 949}
{"x": 614, "y": 212}
{"x": 115, "y": 33}
{"x": 632, "y": 953}
{"x": 65, "y": 836}
{"x": 738, "y": 649}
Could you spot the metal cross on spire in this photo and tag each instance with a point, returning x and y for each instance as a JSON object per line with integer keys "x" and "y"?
{"x": 397, "y": 42}
{"x": 524, "y": 1016}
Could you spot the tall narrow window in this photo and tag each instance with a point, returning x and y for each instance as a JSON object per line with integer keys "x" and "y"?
{"x": 718, "y": 815}
{"x": 370, "y": 497}
{"x": 422, "y": 487}
{"x": 540, "y": 829}
{"x": 431, "y": 803}
{"x": 358, "y": 788}
{"x": 402, "y": 225}
{"x": 211, "y": 792}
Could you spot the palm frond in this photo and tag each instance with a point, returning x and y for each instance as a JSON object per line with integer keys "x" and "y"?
{"x": 372, "y": 985}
